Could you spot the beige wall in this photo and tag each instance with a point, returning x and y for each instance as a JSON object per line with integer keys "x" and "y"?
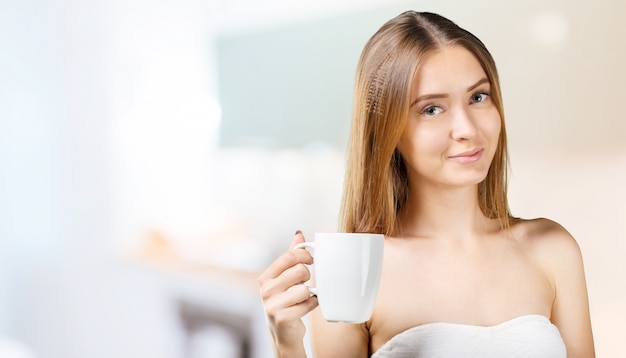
{"x": 585, "y": 193}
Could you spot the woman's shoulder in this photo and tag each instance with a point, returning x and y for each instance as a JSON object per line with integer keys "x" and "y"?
{"x": 539, "y": 229}
{"x": 546, "y": 240}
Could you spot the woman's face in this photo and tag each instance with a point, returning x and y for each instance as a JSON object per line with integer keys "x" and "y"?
{"x": 453, "y": 125}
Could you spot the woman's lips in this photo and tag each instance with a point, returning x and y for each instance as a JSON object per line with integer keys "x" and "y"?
{"x": 470, "y": 156}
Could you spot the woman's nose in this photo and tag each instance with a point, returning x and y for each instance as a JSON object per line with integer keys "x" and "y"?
{"x": 463, "y": 125}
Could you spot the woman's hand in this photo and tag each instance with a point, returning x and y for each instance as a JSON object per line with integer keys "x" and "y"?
{"x": 287, "y": 300}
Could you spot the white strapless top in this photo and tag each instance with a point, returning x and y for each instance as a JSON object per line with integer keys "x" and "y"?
{"x": 525, "y": 336}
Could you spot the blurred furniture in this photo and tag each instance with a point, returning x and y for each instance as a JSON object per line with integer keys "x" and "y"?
{"x": 209, "y": 296}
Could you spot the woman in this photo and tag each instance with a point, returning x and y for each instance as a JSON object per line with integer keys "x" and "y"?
{"x": 427, "y": 167}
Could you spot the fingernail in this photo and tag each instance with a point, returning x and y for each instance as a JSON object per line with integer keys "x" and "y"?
{"x": 298, "y": 232}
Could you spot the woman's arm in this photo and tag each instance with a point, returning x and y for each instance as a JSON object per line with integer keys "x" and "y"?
{"x": 570, "y": 309}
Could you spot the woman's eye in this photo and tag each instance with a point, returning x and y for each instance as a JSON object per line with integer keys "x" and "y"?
{"x": 479, "y": 97}
{"x": 432, "y": 110}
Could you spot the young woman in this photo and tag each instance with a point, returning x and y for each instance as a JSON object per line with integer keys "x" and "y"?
{"x": 427, "y": 167}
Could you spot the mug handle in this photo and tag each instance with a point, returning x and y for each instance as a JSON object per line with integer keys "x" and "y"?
{"x": 311, "y": 245}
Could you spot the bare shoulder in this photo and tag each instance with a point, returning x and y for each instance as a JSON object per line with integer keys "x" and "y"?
{"x": 558, "y": 253}
{"x": 550, "y": 245}
{"x": 540, "y": 228}
{"x": 546, "y": 239}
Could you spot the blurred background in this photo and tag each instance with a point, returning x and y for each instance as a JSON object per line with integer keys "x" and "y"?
{"x": 156, "y": 155}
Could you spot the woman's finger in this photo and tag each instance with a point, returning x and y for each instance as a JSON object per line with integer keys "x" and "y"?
{"x": 283, "y": 310}
{"x": 287, "y": 260}
{"x": 293, "y": 275}
{"x": 294, "y": 295}
{"x": 297, "y": 239}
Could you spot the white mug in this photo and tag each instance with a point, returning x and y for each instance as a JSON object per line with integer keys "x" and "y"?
{"x": 347, "y": 268}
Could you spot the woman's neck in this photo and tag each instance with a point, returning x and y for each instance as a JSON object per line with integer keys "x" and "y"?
{"x": 450, "y": 213}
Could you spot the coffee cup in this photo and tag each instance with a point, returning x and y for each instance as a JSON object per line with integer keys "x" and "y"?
{"x": 347, "y": 269}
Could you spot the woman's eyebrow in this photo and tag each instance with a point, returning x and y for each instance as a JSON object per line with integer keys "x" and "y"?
{"x": 480, "y": 82}
{"x": 443, "y": 95}
{"x": 429, "y": 96}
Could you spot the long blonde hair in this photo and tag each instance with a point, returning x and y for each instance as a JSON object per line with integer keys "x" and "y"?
{"x": 376, "y": 184}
